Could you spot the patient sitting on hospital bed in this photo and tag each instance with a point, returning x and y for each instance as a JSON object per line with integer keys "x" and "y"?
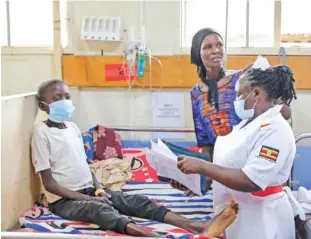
{"x": 74, "y": 193}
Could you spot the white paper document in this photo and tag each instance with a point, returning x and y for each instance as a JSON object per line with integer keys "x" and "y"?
{"x": 164, "y": 161}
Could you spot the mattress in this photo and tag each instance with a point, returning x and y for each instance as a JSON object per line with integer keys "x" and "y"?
{"x": 144, "y": 181}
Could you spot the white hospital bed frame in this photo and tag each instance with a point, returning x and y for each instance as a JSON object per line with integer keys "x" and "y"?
{"x": 297, "y": 139}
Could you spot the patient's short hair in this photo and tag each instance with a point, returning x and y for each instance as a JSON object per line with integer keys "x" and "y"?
{"x": 44, "y": 86}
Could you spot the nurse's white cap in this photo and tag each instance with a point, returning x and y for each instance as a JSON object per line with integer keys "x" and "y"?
{"x": 261, "y": 63}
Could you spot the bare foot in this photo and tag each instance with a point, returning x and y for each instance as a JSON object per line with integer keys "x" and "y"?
{"x": 222, "y": 221}
{"x": 196, "y": 227}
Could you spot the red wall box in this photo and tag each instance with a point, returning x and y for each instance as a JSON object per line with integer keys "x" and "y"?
{"x": 119, "y": 72}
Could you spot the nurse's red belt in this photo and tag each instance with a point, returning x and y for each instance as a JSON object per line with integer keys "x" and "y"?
{"x": 268, "y": 191}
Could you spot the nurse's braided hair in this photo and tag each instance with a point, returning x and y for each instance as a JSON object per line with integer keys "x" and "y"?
{"x": 278, "y": 82}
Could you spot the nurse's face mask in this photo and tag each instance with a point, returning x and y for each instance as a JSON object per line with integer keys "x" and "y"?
{"x": 239, "y": 106}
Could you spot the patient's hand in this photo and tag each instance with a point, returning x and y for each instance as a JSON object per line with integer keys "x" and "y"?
{"x": 179, "y": 186}
{"x": 102, "y": 197}
{"x": 189, "y": 194}
{"x": 208, "y": 184}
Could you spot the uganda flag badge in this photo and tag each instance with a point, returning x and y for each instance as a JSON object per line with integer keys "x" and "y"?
{"x": 269, "y": 153}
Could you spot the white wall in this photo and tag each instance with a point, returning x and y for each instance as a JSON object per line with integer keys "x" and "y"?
{"x": 19, "y": 185}
{"x": 120, "y": 108}
{"x": 301, "y": 112}
{"x": 22, "y": 73}
{"x": 161, "y": 20}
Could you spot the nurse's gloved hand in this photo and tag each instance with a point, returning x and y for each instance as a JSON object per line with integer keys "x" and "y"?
{"x": 189, "y": 165}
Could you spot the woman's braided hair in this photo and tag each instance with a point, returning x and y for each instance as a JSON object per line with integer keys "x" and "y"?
{"x": 278, "y": 82}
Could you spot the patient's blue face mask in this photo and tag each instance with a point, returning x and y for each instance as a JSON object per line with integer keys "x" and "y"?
{"x": 239, "y": 106}
{"x": 60, "y": 110}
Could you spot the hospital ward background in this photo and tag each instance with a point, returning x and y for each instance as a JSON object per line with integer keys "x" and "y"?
{"x": 127, "y": 65}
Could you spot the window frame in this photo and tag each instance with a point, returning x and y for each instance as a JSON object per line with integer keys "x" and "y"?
{"x": 246, "y": 50}
{"x": 9, "y": 49}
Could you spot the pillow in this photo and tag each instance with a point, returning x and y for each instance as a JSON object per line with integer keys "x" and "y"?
{"x": 142, "y": 172}
{"x": 140, "y": 168}
{"x": 101, "y": 143}
{"x": 108, "y": 144}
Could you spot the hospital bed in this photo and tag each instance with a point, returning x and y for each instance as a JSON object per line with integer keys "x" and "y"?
{"x": 144, "y": 181}
{"x": 160, "y": 192}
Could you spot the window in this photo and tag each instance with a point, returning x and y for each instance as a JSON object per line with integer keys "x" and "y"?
{"x": 63, "y": 8}
{"x": 212, "y": 13}
{"x": 3, "y": 24}
{"x": 32, "y": 26}
{"x": 237, "y": 23}
{"x": 31, "y": 23}
{"x": 296, "y": 22}
{"x": 261, "y": 23}
{"x": 203, "y": 13}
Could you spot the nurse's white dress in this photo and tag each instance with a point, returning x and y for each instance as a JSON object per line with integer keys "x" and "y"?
{"x": 264, "y": 149}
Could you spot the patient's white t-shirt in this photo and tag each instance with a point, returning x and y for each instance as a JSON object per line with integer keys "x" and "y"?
{"x": 62, "y": 151}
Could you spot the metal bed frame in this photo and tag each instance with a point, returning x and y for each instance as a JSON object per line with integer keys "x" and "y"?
{"x": 153, "y": 130}
{"x": 297, "y": 139}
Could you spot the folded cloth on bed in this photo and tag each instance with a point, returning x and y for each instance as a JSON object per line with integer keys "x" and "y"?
{"x": 112, "y": 173}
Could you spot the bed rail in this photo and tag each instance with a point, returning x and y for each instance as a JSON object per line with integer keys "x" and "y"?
{"x": 164, "y": 130}
{"x": 297, "y": 139}
{"x": 302, "y": 136}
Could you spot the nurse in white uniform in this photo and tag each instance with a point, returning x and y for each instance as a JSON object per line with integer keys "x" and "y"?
{"x": 252, "y": 163}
